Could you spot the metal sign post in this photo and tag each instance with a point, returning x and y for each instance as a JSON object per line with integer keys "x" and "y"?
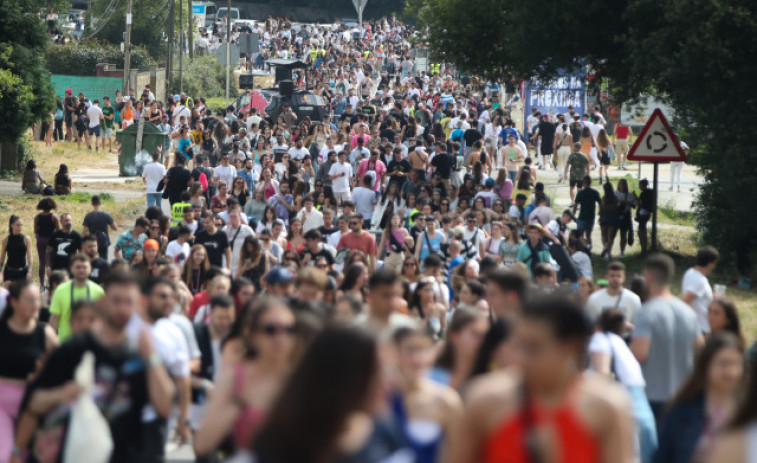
{"x": 656, "y": 143}
{"x": 359, "y": 7}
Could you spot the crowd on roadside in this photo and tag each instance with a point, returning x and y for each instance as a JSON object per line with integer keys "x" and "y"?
{"x": 390, "y": 284}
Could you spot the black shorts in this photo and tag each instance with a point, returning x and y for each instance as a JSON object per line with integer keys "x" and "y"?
{"x": 575, "y": 183}
{"x": 69, "y": 119}
{"x": 604, "y": 158}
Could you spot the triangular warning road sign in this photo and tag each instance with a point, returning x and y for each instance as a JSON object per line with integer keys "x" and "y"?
{"x": 656, "y": 142}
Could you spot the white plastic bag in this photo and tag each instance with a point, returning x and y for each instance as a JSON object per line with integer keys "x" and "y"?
{"x": 89, "y": 437}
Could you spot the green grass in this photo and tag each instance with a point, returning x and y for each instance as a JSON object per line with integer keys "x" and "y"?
{"x": 83, "y": 197}
{"x": 668, "y": 214}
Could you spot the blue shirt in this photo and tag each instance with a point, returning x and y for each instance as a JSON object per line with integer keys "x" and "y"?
{"x": 249, "y": 178}
{"x": 505, "y": 133}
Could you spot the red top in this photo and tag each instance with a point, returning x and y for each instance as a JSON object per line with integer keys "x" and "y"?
{"x": 621, "y": 132}
{"x": 575, "y": 443}
{"x": 365, "y": 242}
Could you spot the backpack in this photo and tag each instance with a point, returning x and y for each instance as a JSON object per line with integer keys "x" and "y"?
{"x": 58, "y": 114}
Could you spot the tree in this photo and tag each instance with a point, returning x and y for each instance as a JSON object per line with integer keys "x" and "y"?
{"x": 106, "y": 20}
{"x": 698, "y": 56}
{"x": 26, "y": 94}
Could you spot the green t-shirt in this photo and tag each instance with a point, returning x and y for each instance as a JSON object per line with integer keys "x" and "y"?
{"x": 107, "y": 111}
{"x": 577, "y": 163}
{"x": 63, "y": 299}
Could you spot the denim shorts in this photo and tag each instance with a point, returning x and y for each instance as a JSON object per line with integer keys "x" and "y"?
{"x": 584, "y": 225}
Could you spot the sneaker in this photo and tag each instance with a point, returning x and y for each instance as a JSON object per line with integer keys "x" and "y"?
{"x": 622, "y": 254}
{"x": 670, "y": 188}
{"x": 572, "y": 203}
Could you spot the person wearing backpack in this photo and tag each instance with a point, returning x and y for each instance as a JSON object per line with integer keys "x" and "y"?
{"x": 534, "y": 251}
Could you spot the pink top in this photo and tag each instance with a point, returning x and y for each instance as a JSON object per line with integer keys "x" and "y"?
{"x": 366, "y": 166}
{"x": 366, "y": 139}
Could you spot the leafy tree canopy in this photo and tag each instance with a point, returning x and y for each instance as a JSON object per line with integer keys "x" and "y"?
{"x": 25, "y": 90}
{"x": 699, "y": 56}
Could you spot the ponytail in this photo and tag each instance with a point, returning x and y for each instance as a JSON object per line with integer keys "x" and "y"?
{"x": 13, "y": 219}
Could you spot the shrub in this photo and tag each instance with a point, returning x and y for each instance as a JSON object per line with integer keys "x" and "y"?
{"x": 82, "y": 59}
{"x": 204, "y": 76}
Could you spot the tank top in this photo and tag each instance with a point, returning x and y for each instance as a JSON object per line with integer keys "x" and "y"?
{"x": 398, "y": 236}
{"x": 45, "y": 225}
{"x": 424, "y": 437}
{"x": 429, "y": 245}
{"x": 622, "y": 132}
{"x": 19, "y": 352}
{"x": 250, "y": 419}
{"x": 16, "y": 250}
{"x": 575, "y": 443}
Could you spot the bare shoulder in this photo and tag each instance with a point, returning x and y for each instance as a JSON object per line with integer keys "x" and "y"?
{"x": 446, "y": 397}
{"x": 600, "y": 391}
{"x": 499, "y": 386}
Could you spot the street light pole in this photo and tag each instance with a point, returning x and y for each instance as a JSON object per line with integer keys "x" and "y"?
{"x": 127, "y": 49}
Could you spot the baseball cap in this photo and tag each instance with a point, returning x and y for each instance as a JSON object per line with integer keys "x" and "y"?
{"x": 279, "y": 275}
{"x": 489, "y": 182}
{"x": 69, "y": 91}
{"x": 176, "y": 97}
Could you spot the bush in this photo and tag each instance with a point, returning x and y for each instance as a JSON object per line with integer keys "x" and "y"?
{"x": 204, "y": 76}
{"x": 82, "y": 59}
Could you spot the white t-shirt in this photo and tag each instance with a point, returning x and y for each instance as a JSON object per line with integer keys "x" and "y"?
{"x": 225, "y": 173}
{"x": 94, "y": 113}
{"x": 298, "y": 154}
{"x": 179, "y": 111}
{"x": 626, "y": 366}
{"x": 341, "y": 184}
{"x": 177, "y": 252}
{"x": 600, "y": 301}
{"x": 475, "y": 237}
{"x": 153, "y": 173}
{"x": 310, "y": 220}
{"x": 696, "y": 283}
{"x": 236, "y": 244}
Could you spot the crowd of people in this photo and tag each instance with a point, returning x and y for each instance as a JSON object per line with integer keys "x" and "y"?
{"x": 390, "y": 284}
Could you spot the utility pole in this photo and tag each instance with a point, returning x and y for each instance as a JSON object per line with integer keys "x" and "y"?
{"x": 169, "y": 63}
{"x": 228, "y": 49}
{"x": 181, "y": 45}
{"x": 190, "y": 30}
{"x": 127, "y": 49}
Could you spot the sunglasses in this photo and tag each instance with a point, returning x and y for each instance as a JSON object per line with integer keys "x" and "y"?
{"x": 322, "y": 266}
{"x": 154, "y": 227}
{"x": 354, "y": 223}
{"x": 409, "y": 264}
{"x": 273, "y": 330}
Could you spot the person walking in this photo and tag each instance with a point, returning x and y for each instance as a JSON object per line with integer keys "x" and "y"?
{"x": 18, "y": 248}
{"x": 45, "y": 223}
{"x": 152, "y": 174}
{"x": 665, "y": 335}
{"x": 97, "y": 222}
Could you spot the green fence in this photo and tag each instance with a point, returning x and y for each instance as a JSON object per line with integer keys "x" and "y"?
{"x": 95, "y": 88}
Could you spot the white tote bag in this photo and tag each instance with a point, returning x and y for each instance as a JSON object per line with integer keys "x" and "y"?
{"x": 89, "y": 437}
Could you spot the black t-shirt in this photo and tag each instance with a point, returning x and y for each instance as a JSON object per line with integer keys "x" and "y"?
{"x": 121, "y": 385}
{"x": 443, "y": 163}
{"x": 215, "y": 245}
{"x": 314, "y": 257}
{"x": 398, "y": 166}
{"x": 547, "y": 132}
{"x": 64, "y": 246}
{"x": 178, "y": 180}
{"x": 388, "y": 134}
{"x": 647, "y": 200}
{"x": 471, "y": 136}
{"x": 326, "y": 233}
{"x": 100, "y": 269}
{"x": 98, "y": 223}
